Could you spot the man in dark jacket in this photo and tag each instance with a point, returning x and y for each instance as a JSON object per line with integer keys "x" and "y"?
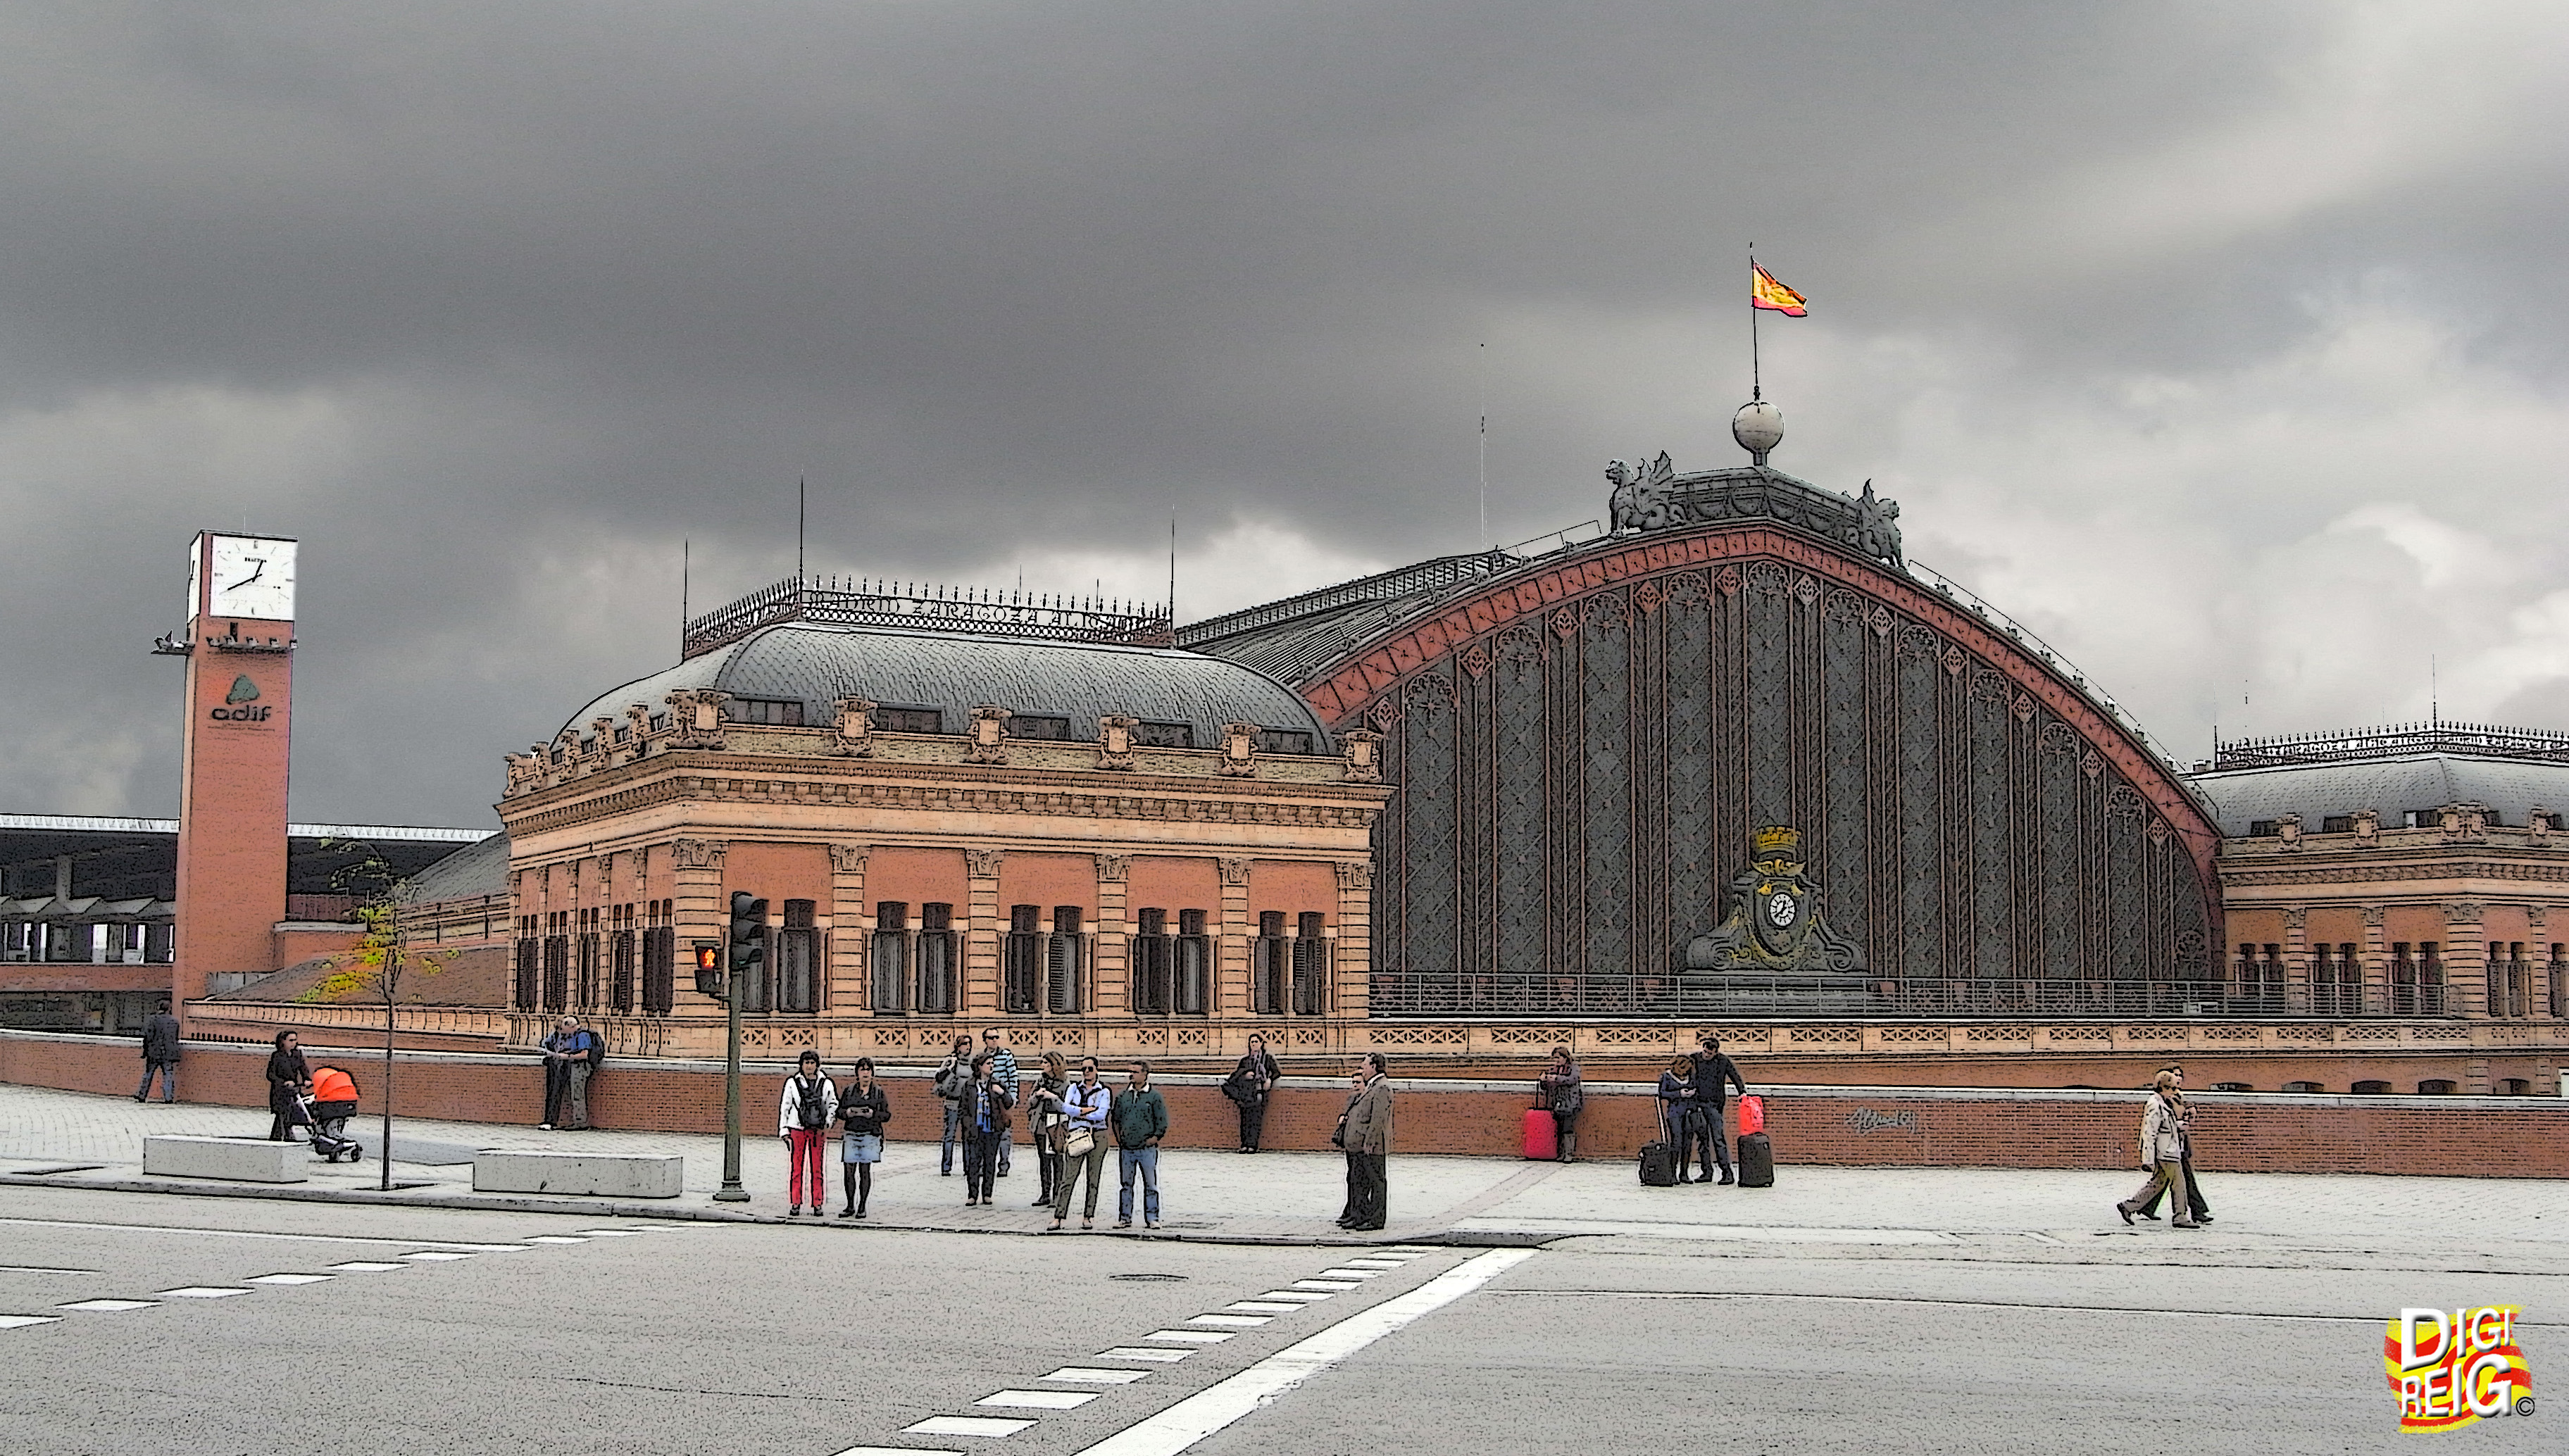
{"x": 159, "y": 1055}
{"x": 1706, "y": 1136}
{"x": 1368, "y": 1146}
{"x": 1141, "y": 1119}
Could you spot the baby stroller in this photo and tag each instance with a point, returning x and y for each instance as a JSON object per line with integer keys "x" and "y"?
{"x": 326, "y": 1110}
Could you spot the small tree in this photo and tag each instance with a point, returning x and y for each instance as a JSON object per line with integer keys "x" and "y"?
{"x": 379, "y": 961}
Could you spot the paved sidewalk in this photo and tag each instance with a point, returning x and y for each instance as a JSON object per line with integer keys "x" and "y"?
{"x": 68, "y": 1138}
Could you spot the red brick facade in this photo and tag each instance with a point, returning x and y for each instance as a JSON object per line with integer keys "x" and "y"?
{"x": 1840, "y": 1126}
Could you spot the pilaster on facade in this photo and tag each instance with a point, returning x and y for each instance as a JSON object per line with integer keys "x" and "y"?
{"x": 848, "y": 925}
{"x": 1111, "y": 978}
{"x": 982, "y": 936}
{"x": 2465, "y": 961}
{"x": 2297, "y": 956}
{"x": 1231, "y": 954}
{"x": 2377, "y": 961}
{"x": 697, "y": 912}
{"x": 1353, "y": 956}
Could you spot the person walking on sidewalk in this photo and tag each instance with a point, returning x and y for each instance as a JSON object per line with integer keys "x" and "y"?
{"x": 570, "y": 1053}
{"x": 1084, "y": 1105}
{"x": 985, "y": 1105}
{"x": 1249, "y": 1084}
{"x": 159, "y": 1055}
{"x": 2149, "y": 1208}
{"x": 802, "y": 1115}
{"x": 1557, "y": 1088}
{"x": 1003, "y": 1070}
{"x": 952, "y": 1075}
{"x": 287, "y": 1074}
{"x": 1712, "y": 1071}
{"x": 1369, "y": 1145}
{"x": 1140, "y": 1117}
{"x": 1043, "y": 1124}
{"x": 2163, "y": 1154}
{"x": 862, "y": 1111}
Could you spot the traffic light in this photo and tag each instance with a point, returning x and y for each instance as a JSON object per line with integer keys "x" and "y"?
{"x": 709, "y": 976}
{"x": 748, "y": 943}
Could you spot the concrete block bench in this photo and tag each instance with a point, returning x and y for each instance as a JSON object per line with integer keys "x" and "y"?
{"x": 581, "y": 1175}
{"x": 242, "y": 1160}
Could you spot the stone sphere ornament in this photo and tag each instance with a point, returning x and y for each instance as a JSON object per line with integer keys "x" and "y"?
{"x": 1758, "y": 427}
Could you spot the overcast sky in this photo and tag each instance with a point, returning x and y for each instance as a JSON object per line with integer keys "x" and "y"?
{"x": 2222, "y": 343}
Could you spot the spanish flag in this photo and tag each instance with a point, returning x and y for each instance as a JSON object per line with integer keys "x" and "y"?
{"x": 1765, "y": 293}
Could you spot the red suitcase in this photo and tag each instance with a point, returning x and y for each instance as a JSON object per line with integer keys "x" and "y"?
{"x": 1540, "y": 1134}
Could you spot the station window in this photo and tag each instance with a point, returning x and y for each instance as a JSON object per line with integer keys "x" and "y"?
{"x": 2338, "y": 823}
{"x": 1285, "y": 740}
{"x": 1148, "y": 734}
{"x": 773, "y": 712}
{"x": 1037, "y": 725}
{"x": 1270, "y": 965}
{"x": 891, "y": 957}
{"x": 797, "y": 950}
{"x": 936, "y": 958}
{"x": 1065, "y": 964}
{"x": 1021, "y": 984}
{"x": 2304, "y": 1087}
{"x": 1154, "y": 960}
{"x": 2373, "y": 1088}
{"x": 909, "y": 720}
{"x": 2436, "y": 1087}
{"x": 1194, "y": 965}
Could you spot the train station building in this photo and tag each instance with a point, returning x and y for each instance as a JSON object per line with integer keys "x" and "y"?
{"x": 1732, "y": 762}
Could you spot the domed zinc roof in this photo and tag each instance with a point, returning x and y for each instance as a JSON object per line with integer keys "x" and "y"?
{"x": 951, "y": 673}
{"x": 2395, "y": 789}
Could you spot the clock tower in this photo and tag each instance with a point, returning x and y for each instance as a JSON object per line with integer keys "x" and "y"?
{"x": 240, "y": 646}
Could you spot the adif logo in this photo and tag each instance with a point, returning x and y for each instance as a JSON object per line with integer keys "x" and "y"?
{"x": 244, "y": 693}
{"x": 2451, "y": 1369}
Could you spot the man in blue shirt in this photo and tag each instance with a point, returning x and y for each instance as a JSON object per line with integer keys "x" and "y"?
{"x": 566, "y": 1059}
{"x": 1003, "y": 1070}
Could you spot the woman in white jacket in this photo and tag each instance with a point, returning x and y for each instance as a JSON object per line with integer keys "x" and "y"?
{"x": 803, "y": 1117}
{"x": 2163, "y": 1153}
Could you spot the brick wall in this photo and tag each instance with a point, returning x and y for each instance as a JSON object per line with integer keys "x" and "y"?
{"x": 2471, "y": 1136}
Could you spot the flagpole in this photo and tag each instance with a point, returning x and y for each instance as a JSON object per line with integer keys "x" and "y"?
{"x": 1756, "y": 385}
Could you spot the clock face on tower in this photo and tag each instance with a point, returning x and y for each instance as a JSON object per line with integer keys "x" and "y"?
{"x": 251, "y": 577}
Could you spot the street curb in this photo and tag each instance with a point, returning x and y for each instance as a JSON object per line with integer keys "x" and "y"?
{"x": 605, "y": 1209}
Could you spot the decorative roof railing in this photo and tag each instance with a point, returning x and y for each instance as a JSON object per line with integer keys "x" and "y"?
{"x": 838, "y": 601}
{"x": 2399, "y": 740}
{"x": 1437, "y": 576}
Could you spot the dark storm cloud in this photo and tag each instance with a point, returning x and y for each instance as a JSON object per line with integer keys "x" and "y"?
{"x": 491, "y": 305}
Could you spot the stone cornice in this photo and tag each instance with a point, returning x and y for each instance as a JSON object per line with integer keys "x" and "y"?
{"x": 2379, "y": 873}
{"x": 875, "y": 784}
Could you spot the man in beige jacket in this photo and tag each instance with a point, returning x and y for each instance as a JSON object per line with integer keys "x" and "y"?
{"x": 1367, "y": 1141}
{"x": 2163, "y": 1153}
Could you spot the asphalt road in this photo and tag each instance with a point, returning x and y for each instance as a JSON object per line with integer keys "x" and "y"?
{"x": 811, "y": 1342}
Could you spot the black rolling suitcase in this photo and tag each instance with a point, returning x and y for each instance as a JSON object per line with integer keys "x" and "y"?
{"x": 1756, "y": 1161}
{"x": 1660, "y": 1165}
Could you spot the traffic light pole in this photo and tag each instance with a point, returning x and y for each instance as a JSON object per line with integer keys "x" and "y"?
{"x": 731, "y": 1191}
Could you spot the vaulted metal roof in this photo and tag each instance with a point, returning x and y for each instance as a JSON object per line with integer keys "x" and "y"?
{"x": 2388, "y": 786}
{"x": 953, "y": 674}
